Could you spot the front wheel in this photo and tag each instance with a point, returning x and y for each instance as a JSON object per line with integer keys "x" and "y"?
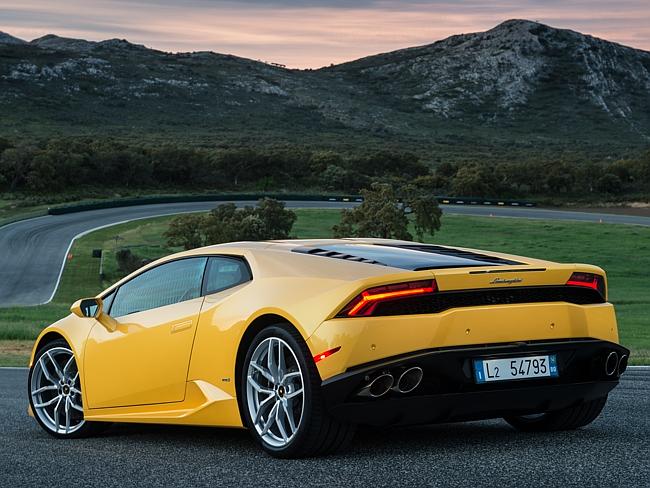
{"x": 282, "y": 403}
{"x": 54, "y": 389}
{"x": 565, "y": 419}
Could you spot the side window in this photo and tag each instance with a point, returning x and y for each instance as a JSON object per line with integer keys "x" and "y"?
{"x": 224, "y": 272}
{"x": 166, "y": 284}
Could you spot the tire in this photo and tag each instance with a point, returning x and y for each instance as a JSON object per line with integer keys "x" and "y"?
{"x": 54, "y": 392}
{"x": 566, "y": 419}
{"x": 273, "y": 397}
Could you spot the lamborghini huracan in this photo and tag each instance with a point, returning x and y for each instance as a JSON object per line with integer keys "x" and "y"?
{"x": 300, "y": 341}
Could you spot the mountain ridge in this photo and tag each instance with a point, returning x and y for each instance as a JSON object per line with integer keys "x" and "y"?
{"x": 520, "y": 83}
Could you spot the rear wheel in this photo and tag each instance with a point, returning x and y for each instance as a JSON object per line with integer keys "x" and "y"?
{"x": 54, "y": 389}
{"x": 566, "y": 419}
{"x": 282, "y": 403}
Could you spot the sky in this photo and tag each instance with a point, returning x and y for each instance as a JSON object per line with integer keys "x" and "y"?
{"x": 311, "y": 33}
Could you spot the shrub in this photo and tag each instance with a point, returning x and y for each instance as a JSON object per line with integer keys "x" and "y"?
{"x": 226, "y": 223}
{"x": 384, "y": 214}
{"x": 128, "y": 262}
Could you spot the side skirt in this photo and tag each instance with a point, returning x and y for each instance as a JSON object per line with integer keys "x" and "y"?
{"x": 204, "y": 404}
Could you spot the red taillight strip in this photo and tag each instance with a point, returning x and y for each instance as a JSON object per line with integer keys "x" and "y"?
{"x": 367, "y": 298}
{"x": 588, "y": 284}
{"x": 588, "y": 280}
{"x": 323, "y": 355}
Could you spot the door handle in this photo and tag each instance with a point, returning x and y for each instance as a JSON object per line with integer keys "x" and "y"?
{"x": 181, "y": 326}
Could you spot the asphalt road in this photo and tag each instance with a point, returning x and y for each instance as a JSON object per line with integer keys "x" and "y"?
{"x": 32, "y": 251}
{"x": 612, "y": 451}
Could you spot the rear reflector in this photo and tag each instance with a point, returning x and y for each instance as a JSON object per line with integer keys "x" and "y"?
{"x": 588, "y": 280}
{"x": 364, "y": 304}
{"x": 323, "y": 355}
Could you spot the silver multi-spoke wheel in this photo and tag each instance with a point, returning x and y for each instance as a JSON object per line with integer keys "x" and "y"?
{"x": 275, "y": 392}
{"x": 56, "y": 392}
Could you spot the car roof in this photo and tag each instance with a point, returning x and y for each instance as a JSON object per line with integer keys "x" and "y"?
{"x": 385, "y": 252}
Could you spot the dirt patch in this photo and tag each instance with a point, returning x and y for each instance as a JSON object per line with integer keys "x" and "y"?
{"x": 15, "y": 353}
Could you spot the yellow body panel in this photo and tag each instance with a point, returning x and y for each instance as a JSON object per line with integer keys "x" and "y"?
{"x": 176, "y": 364}
{"x": 145, "y": 360}
{"x": 369, "y": 339}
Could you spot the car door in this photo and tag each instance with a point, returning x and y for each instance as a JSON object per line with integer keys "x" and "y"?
{"x": 145, "y": 361}
{"x": 215, "y": 345}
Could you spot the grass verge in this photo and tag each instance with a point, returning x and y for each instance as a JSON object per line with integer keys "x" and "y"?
{"x": 623, "y": 251}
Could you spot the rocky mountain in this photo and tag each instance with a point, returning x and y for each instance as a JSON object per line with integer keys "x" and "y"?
{"x": 9, "y": 39}
{"x": 518, "y": 86}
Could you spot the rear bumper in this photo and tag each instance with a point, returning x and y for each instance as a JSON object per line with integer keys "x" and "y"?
{"x": 448, "y": 391}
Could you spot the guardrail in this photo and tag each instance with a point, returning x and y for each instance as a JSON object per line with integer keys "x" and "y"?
{"x": 482, "y": 201}
{"x": 129, "y": 202}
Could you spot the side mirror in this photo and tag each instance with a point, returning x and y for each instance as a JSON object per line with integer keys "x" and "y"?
{"x": 87, "y": 307}
{"x": 94, "y": 308}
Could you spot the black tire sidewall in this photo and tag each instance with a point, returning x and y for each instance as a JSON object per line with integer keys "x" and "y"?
{"x": 293, "y": 339}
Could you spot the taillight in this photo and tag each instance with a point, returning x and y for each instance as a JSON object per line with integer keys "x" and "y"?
{"x": 364, "y": 305}
{"x": 588, "y": 280}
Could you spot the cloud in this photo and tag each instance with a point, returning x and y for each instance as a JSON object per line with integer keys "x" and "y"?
{"x": 311, "y": 33}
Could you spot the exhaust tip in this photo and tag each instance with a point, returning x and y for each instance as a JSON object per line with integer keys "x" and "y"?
{"x": 410, "y": 379}
{"x": 622, "y": 364}
{"x": 611, "y": 363}
{"x": 379, "y": 386}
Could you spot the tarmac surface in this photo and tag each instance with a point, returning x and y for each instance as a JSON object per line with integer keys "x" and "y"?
{"x": 613, "y": 451}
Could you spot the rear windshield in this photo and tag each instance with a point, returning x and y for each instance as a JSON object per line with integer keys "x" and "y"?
{"x": 410, "y": 256}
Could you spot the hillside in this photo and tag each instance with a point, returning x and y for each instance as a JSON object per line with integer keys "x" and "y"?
{"x": 513, "y": 89}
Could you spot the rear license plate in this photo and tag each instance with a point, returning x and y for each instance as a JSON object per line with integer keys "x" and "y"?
{"x": 486, "y": 370}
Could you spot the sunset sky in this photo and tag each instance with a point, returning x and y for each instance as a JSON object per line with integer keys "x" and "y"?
{"x": 311, "y": 33}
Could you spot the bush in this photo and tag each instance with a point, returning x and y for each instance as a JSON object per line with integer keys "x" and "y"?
{"x": 609, "y": 183}
{"x": 384, "y": 214}
{"x": 226, "y": 223}
{"x": 127, "y": 262}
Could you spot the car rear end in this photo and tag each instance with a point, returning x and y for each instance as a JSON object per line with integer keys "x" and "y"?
{"x": 465, "y": 335}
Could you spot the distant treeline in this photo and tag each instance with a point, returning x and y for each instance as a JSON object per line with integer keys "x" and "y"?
{"x": 68, "y": 165}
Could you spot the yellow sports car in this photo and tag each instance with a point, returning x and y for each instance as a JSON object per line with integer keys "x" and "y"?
{"x": 302, "y": 340}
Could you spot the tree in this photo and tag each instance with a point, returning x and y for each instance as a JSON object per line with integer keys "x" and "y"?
{"x": 277, "y": 221}
{"x": 15, "y": 165}
{"x": 390, "y": 163}
{"x": 176, "y": 165}
{"x": 424, "y": 206}
{"x": 4, "y": 144}
{"x": 338, "y": 178}
{"x": 609, "y": 183}
{"x": 186, "y": 231}
{"x": 127, "y": 262}
{"x": 226, "y": 223}
{"x": 241, "y": 165}
{"x": 384, "y": 214}
{"x": 446, "y": 169}
{"x": 470, "y": 181}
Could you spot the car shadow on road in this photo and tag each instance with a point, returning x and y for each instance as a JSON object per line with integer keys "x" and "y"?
{"x": 369, "y": 441}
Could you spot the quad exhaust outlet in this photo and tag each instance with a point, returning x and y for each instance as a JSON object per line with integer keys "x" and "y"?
{"x": 379, "y": 386}
{"x": 407, "y": 381}
{"x": 611, "y": 363}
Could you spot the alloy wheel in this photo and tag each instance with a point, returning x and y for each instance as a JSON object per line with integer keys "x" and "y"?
{"x": 55, "y": 391}
{"x": 275, "y": 392}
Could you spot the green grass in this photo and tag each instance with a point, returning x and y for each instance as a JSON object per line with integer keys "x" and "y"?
{"x": 12, "y": 209}
{"x": 623, "y": 251}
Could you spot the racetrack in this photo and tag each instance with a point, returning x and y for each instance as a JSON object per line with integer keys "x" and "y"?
{"x": 32, "y": 251}
{"x": 612, "y": 451}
